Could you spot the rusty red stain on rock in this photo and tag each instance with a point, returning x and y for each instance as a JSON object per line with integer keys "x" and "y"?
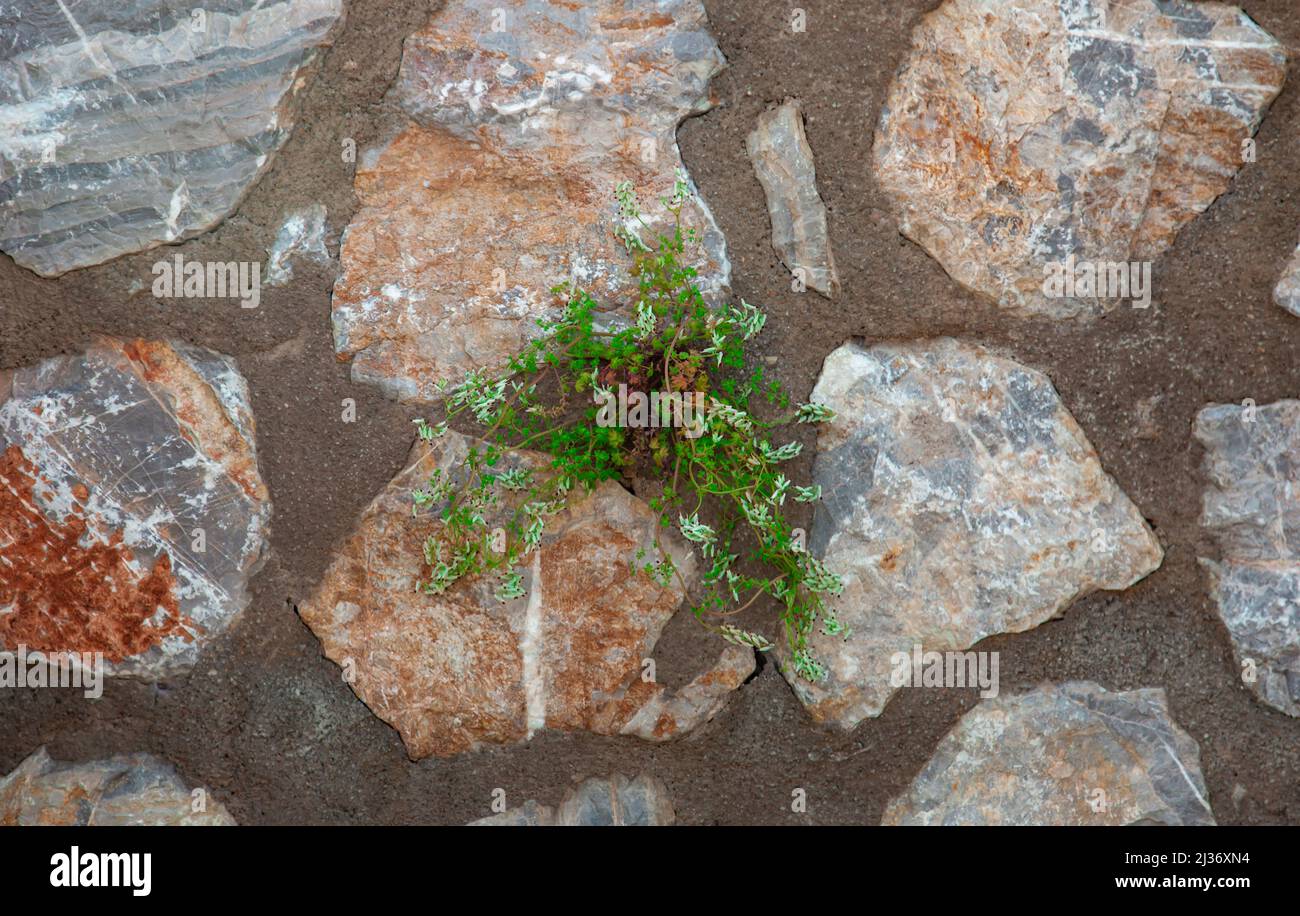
{"x": 194, "y": 406}
{"x": 140, "y": 448}
{"x": 66, "y": 595}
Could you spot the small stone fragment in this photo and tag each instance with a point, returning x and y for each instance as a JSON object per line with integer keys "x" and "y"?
{"x": 1287, "y": 292}
{"x": 457, "y": 671}
{"x": 1252, "y": 462}
{"x": 783, "y": 162}
{"x": 302, "y": 234}
{"x": 1146, "y": 425}
{"x": 520, "y": 118}
{"x": 126, "y": 791}
{"x": 613, "y": 801}
{"x": 132, "y": 513}
{"x": 1024, "y": 137}
{"x": 1068, "y": 755}
{"x": 959, "y": 500}
{"x": 529, "y": 814}
{"x": 129, "y": 124}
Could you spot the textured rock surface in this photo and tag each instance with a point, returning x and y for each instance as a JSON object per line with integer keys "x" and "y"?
{"x": 457, "y": 671}
{"x": 125, "y": 125}
{"x": 783, "y": 162}
{"x": 1287, "y": 292}
{"x": 302, "y": 234}
{"x": 1020, "y": 132}
{"x": 127, "y": 791}
{"x": 960, "y": 500}
{"x": 1252, "y": 505}
{"x": 613, "y": 801}
{"x": 132, "y": 513}
{"x": 1074, "y": 754}
{"x": 516, "y": 139}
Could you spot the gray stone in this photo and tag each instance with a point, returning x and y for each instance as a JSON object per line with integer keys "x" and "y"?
{"x": 126, "y": 791}
{"x": 1019, "y": 135}
{"x": 1287, "y": 292}
{"x": 1074, "y": 754}
{"x": 613, "y": 801}
{"x": 1252, "y": 462}
{"x": 960, "y": 500}
{"x": 783, "y": 162}
{"x": 132, "y": 513}
{"x": 129, "y": 124}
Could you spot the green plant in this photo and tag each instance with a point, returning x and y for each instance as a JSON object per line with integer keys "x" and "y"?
{"x": 554, "y": 397}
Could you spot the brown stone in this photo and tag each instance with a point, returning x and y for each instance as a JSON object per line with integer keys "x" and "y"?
{"x": 519, "y": 118}
{"x": 460, "y": 670}
{"x": 1020, "y": 134}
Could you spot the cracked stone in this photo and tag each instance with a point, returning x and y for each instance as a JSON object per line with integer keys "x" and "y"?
{"x": 461, "y": 670}
{"x": 613, "y": 801}
{"x": 125, "y": 791}
{"x": 131, "y": 124}
{"x": 519, "y": 117}
{"x": 1072, "y": 755}
{"x": 1021, "y": 134}
{"x": 783, "y": 162}
{"x": 1251, "y": 507}
{"x": 132, "y": 513}
{"x": 960, "y": 500}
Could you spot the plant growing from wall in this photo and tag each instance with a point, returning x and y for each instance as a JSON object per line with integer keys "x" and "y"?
{"x": 722, "y": 461}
